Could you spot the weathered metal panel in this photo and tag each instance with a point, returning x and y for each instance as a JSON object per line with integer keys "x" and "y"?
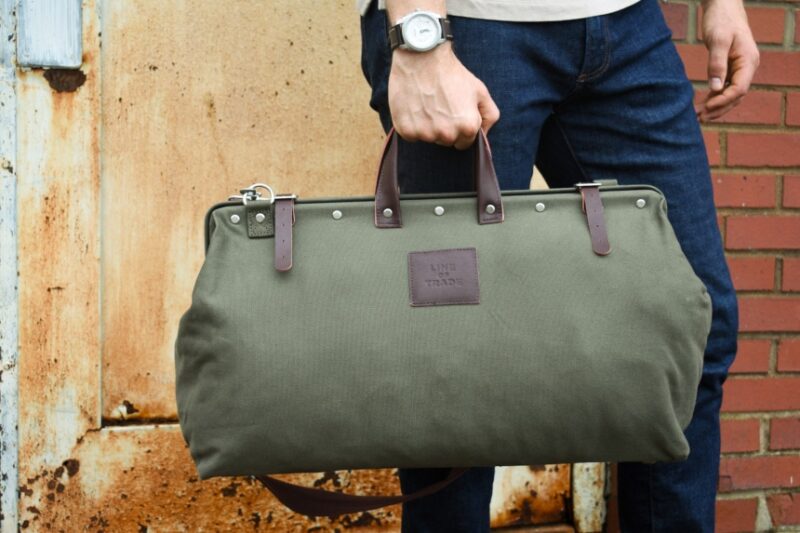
{"x": 58, "y": 211}
{"x": 8, "y": 273}
{"x": 199, "y": 100}
{"x": 142, "y": 479}
{"x": 530, "y": 495}
{"x": 589, "y": 487}
{"x": 49, "y": 33}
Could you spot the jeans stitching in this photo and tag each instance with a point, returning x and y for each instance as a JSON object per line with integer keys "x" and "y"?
{"x": 599, "y": 71}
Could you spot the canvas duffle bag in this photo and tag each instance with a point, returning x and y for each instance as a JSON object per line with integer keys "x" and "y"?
{"x": 438, "y": 330}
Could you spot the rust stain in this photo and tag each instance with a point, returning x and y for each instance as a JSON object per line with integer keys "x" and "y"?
{"x": 64, "y": 80}
{"x": 144, "y": 480}
{"x": 537, "y": 494}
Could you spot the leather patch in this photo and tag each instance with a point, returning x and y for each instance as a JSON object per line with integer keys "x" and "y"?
{"x": 266, "y": 226}
{"x": 443, "y": 277}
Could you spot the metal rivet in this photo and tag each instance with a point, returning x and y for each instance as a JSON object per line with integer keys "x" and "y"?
{"x": 641, "y": 202}
{"x": 387, "y": 213}
{"x": 336, "y": 214}
{"x": 540, "y": 207}
{"x": 490, "y": 208}
{"x": 235, "y": 219}
{"x": 438, "y": 210}
{"x": 260, "y": 217}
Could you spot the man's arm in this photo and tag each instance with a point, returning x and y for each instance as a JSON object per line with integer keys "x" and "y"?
{"x": 432, "y": 96}
{"x": 733, "y": 56}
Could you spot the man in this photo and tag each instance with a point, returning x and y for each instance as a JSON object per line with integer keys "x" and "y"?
{"x": 587, "y": 90}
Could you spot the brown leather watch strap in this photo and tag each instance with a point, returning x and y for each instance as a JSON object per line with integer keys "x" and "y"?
{"x": 284, "y": 219}
{"x": 319, "y": 502}
{"x": 387, "y": 192}
{"x": 592, "y": 205}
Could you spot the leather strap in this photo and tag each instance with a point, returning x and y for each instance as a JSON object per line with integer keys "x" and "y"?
{"x": 387, "y": 191}
{"x": 319, "y": 502}
{"x": 284, "y": 218}
{"x": 592, "y": 205}
{"x": 395, "y": 34}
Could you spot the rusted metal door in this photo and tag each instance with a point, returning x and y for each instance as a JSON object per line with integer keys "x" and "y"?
{"x": 175, "y": 106}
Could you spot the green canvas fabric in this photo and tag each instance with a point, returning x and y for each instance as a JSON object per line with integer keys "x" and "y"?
{"x": 568, "y": 357}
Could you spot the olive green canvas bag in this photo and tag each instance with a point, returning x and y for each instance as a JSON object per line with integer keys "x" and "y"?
{"x": 451, "y": 330}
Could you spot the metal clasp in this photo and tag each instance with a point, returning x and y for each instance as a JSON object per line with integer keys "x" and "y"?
{"x": 585, "y": 184}
{"x": 251, "y": 194}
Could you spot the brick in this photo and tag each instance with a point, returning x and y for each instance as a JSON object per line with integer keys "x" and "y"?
{"x": 764, "y": 232}
{"x": 797, "y": 26}
{"x": 778, "y": 68}
{"x": 766, "y": 23}
{"x": 784, "y": 433}
{"x": 769, "y": 314}
{"x": 752, "y": 356}
{"x": 761, "y": 394}
{"x": 677, "y": 18}
{"x": 789, "y": 355}
{"x": 744, "y": 190}
{"x": 791, "y": 274}
{"x": 764, "y": 149}
{"x": 757, "y": 107}
{"x": 711, "y": 140}
{"x": 759, "y": 472}
{"x": 740, "y": 435}
{"x": 775, "y": 67}
{"x": 736, "y": 516}
{"x": 752, "y": 273}
{"x": 791, "y": 191}
{"x": 784, "y": 509}
{"x": 695, "y": 60}
{"x": 793, "y": 108}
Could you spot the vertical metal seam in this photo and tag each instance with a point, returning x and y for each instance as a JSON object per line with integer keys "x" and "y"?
{"x": 98, "y": 72}
{"x": 9, "y": 296}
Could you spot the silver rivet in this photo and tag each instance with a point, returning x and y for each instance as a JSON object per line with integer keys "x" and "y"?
{"x": 260, "y": 217}
{"x": 235, "y": 219}
{"x": 490, "y": 208}
{"x": 387, "y": 213}
{"x": 336, "y": 214}
{"x": 640, "y": 203}
{"x": 540, "y": 207}
{"x": 438, "y": 210}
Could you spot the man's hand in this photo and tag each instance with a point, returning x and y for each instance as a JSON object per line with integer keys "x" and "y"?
{"x": 434, "y": 98}
{"x": 733, "y": 57}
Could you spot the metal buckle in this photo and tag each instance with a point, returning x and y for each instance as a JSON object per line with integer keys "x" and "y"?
{"x": 581, "y": 185}
{"x": 251, "y": 194}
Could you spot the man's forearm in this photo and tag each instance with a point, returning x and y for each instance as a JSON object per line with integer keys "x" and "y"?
{"x": 398, "y": 8}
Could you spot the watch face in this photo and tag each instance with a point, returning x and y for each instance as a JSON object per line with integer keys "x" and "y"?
{"x": 421, "y": 32}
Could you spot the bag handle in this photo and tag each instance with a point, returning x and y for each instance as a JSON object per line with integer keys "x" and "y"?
{"x": 320, "y": 502}
{"x": 387, "y": 191}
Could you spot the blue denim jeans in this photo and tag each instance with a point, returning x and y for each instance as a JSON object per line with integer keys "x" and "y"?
{"x": 599, "y": 98}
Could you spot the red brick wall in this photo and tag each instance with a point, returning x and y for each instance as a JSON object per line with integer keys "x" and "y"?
{"x": 755, "y": 157}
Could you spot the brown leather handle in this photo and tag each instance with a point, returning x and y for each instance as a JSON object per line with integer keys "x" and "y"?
{"x": 319, "y": 502}
{"x": 387, "y": 192}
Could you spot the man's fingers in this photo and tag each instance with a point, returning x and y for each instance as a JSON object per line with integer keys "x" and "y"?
{"x": 489, "y": 111}
{"x": 718, "y": 49}
{"x": 466, "y": 135}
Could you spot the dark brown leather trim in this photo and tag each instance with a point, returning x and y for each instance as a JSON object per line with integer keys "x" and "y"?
{"x": 592, "y": 205}
{"x": 319, "y": 502}
{"x": 387, "y": 192}
{"x": 284, "y": 218}
{"x": 486, "y": 182}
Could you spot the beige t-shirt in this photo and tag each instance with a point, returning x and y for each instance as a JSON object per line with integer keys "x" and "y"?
{"x": 523, "y": 10}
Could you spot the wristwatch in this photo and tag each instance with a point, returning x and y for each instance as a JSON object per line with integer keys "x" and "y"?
{"x": 419, "y": 31}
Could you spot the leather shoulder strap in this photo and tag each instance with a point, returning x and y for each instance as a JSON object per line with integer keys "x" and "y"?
{"x": 319, "y": 502}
